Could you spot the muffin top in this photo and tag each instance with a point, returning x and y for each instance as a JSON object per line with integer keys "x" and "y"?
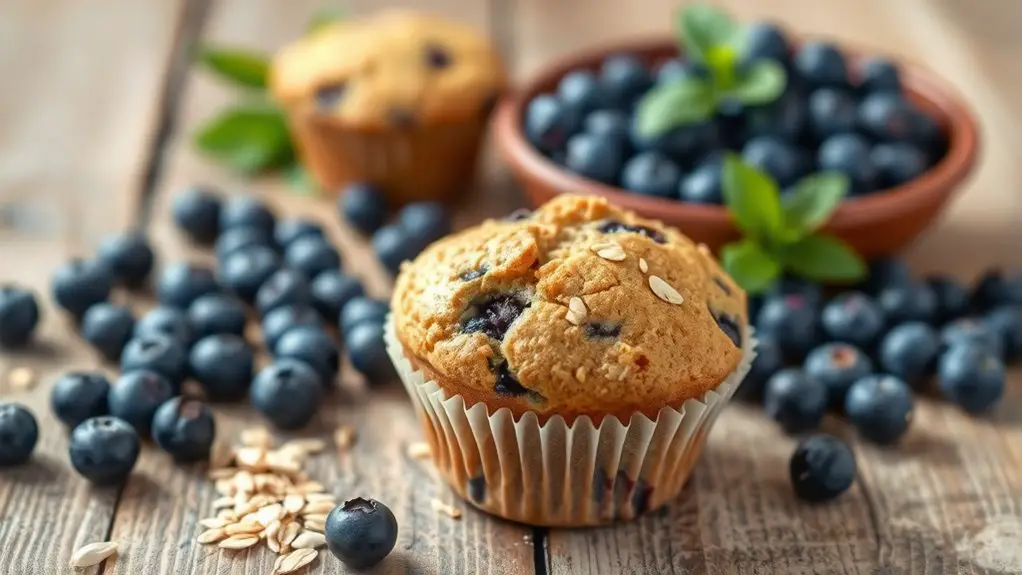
{"x": 578, "y": 308}
{"x": 396, "y": 69}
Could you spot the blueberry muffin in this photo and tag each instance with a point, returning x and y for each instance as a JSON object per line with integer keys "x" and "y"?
{"x": 399, "y": 100}
{"x": 570, "y": 316}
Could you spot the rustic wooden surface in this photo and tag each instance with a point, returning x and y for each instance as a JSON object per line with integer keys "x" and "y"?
{"x": 96, "y": 112}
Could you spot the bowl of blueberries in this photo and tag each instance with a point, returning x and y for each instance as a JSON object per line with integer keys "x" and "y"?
{"x": 904, "y": 139}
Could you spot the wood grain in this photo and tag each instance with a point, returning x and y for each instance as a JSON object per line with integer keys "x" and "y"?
{"x": 77, "y": 110}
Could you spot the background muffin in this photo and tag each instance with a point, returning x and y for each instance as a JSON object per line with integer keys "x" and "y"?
{"x": 400, "y": 100}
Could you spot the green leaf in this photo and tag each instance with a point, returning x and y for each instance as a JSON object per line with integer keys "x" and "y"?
{"x": 322, "y": 19}
{"x": 242, "y": 67}
{"x": 249, "y": 138}
{"x": 702, "y": 27}
{"x": 299, "y": 178}
{"x": 750, "y": 265}
{"x": 720, "y": 60}
{"x": 814, "y": 201}
{"x": 753, "y": 199}
{"x": 824, "y": 258}
{"x": 671, "y": 105}
{"x": 762, "y": 83}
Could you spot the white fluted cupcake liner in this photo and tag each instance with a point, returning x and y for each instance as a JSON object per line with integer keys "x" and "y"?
{"x": 558, "y": 474}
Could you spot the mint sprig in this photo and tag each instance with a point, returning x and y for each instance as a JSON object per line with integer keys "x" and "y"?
{"x": 711, "y": 40}
{"x": 782, "y": 234}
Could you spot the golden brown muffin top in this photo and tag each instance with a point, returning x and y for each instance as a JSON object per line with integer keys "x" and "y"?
{"x": 578, "y": 308}
{"x": 396, "y": 69}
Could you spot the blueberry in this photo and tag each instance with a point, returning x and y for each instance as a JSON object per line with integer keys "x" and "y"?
{"x": 288, "y": 393}
{"x": 880, "y": 407}
{"x": 196, "y": 212}
{"x": 312, "y": 256}
{"x": 79, "y": 284}
{"x": 884, "y": 273}
{"x": 623, "y": 79}
{"x": 185, "y": 429}
{"x": 331, "y": 290}
{"x": 651, "y": 174}
{"x": 837, "y": 366}
{"x": 811, "y": 291}
{"x": 281, "y": 319}
{"x": 994, "y": 289}
{"x": 313, "y": 346}
{"x": 549, "y": 123}
{"x": 610, "y": 124}
{"x": 765, "y": 41}
{"x": 285, "y": 287}
{"x": 79, "y": 395}
{"x": 579, "y": 90}
{"x": 795, "y": 400}
{"x": 913, "y": 301}
{"x": 1006, "y": 323}
{"x": 831, "y": 112}
{"x": 166, "y": 321}
{"x": 730, "y": 119}
{"x": 879, "y": 75}
{"x": 897, "y": 163}
{"x": 769, "y": 361}
{"x": 909, "y": 351}
{"x": 361, "y": 532}
{"x": 886, "y": 117}
{"x": 702, "y": 185}
{"x": 792, "y": 321}
{"x": 615, "y": 227}
{"x": 684, "y": 144}
{"x": 972, "y": 377}
{"x": 850, "y": 155}
{"x": 926, "y": 134}
{"x": 361, "y": 310}
{"x": 223, "y": 364}
{"x": 392, "y": 246}
{"x": 157, "y": 353}
{"x": 363, "y": 206}
{"x": 286, "y": 232}
{"x": 217, "y": 313}
{"x": 776, "y": 157}
{"x": 852, "y": 317}
{"x": 236, "y": 239}
{"x": 952, "y": 298}
{"x": 128, "y": 257}
{"x": 104, "y": 450}
{"x": 368, "y": 351}
{"x": 19, "y": 315}
{"x": 603, "y": 329}
{"x": 784, "y": 118}
{"x": 493, "y": 314}
{"x": 971, "y": 331}
{"x": 135, "y": 397}
{"x": 595, "y": 157}
{"x": 108, "y": 327}
{"x": 181, "y": 283}
{"x": 245, "y": 271}
{"x": 821, "y": 468}
{"x": 19, "y": 433}
{"x": 820, "y": 64}
{"x": 424, "y": 222}
{"x": 246, "y": 211}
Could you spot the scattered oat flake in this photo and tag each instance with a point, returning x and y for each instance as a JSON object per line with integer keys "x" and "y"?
{"x": 244, "y": 527}
{"x": 449, "y": 510}
{"x": 22, "y": 378}
{"x": 257, "y": 437}
{"x": 309, "y": 446}
{"x": 344, "y": 437}
{"x": 240, "y": 541}
{"x": 295, "y": 560}
{"x": 311, "y": 487}
{"x": 287, "y": 533}
{"x": 213, "y": 522}
{"x": 294, "y": 503}
{"x": 211, "y": 535}
{"x": 321, "y": 497}
{"x": 93, "y": 553}
{"x": 315, "y": 524}
{"x": 419, "y": 450}
{"x": 309, "y": 540}
{"x": 318, "y": 507}
{"x": 664, "y": 291}
{"x": 270, "y": 513}
{"x": 643, "y": 266}
{"x": 225, "y": 501}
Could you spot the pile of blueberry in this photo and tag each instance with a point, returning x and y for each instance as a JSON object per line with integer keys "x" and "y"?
{"x": 832, "y": 116}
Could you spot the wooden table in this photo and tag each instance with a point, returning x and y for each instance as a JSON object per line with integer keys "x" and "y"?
{"x": 96, "y": 109}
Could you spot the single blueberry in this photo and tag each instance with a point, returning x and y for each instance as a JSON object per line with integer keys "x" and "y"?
{"x": 952, "y": 297}
{"x": 281, "y": 319}
{"x": 217, "y": 313}
{"x": 651, "y": 174}
{"x": 610, "y": 124}
{"x": 136, "y": 396}
{"x": 104, "y": 450}
{"x": 362, "y": 309}
{"x": 19, "y": 315}
{"x": 312, "y": 255}
{"x": 167, "y": 321}
{"x": 994, "y": 289}
{"x": 624, "y": 78}
{"x": 884, "y": 273}
{"x": 971, "y": 331}
{"x": 79, "y": 395}
{"x": 493, "y": 314}
{"x": 684, "y": 144}
{"x": 237, "y": 239}
{"x": 972, "y": 377}
{"x": 879, "y": 75}
{"x": 286, "y": 232}
{"x": 897, "y": 163}
{"x": 886, "y": 117}
{"x": 777, "y": 158}
{"x": 424, "y": 222}
{"x": 854, "y": 318}
{"x": 850, "y": 155}
{"x": 837, "y": 366}
{"x": 79, "y": 284}
{"x": 331, "y": 290}
{"x": 1006, "y": 323}
{"x": 831, "y": 112}
{"x": 702, "y": 185}
{"x": 246, "y": 211}
{"x": 438, "y": 57}
{"x": 223, "y": 365}
{"x": 185, "y": 429}
{"x": 616, "y": 227}
{"x": 729, "y": 325}
{"x": 821, "y": 468}
{"x": 580, "y": 91}
{"x": 392, "y": 247}
{"x": 880, "y": 407}
{"x": 595, "y": 157}
{"x": 549, "y": 123}
{"x": 361, "y": 532}
{"x": 288, "y": 393}
{"x": 157, "y": 353}
{"x": 128, "y": 257}
{"x": 769, "y": 361}
{"x": 196, "y": 212}
{"x": 367, "y": 350}
{"x": 181, "y": 283}
{"x": 819, "y": 64}
{"x": 913, "y": 301}
{"x": 909, "y": 351}
{"x": 765, "y": 41}
{"x": 792, "y": 321}
{"x": 363, "y": 206}
{"x": 107, "y": 328}
{"x": 313, "y": 346}
{"x": 506, "y": 384}
{"x": 245, "y": 271}
{"x": 19, "y": 433}
{"x": 731, "y": 119}
{"x": 795, "y": 400}
{"x": 788, "y": 284}
{"x": 784, "y": 118}
{"x": 286, "y": 286}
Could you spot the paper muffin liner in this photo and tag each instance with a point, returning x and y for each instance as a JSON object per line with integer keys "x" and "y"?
{"x": 426, "y": 163}
{"x": 557, "y": 474}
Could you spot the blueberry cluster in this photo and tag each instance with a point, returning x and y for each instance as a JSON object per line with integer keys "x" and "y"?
{"x": 833, "y": 116}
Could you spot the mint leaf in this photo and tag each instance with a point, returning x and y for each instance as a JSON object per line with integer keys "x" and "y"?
{"x": 750, "y": 265}
{"x": 720, "y": 60}
{"x": 323, "y": 19}
{"x": 752, "y": 198}
{"x": 824, "y": 258}
{"x": 762, "y": 83}
{"x": 668, "y": 106}
{"x": 814, "y": 201}
{"x": 702, "y": 27}
{"x": 249, "y": 138}
{"x": 242, "y": 67}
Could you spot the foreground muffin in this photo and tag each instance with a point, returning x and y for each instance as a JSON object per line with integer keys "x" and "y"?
{"x": 399, "y": 100}
{"x": 568, "y": 363}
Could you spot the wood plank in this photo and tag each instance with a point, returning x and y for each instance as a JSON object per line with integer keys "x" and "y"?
{"x": 78, "y": 111}
{"x": 161, "y": 505}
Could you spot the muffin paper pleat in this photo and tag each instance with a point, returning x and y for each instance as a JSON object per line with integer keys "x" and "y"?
{"x": 558, "y": 474}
